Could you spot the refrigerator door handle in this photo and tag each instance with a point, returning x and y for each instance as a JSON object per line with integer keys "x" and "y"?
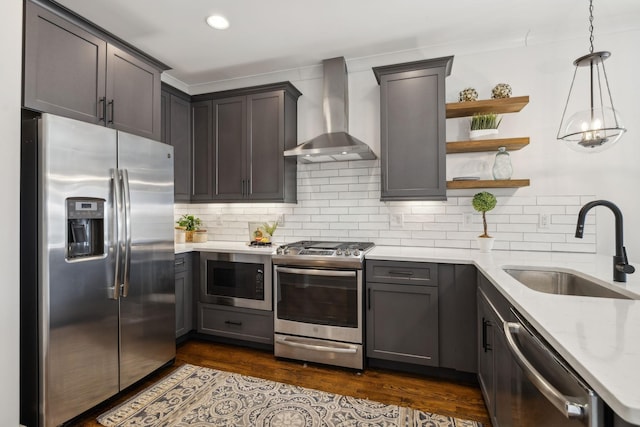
{"x": 127, "y": 232}
{"x": 115, "y": 230}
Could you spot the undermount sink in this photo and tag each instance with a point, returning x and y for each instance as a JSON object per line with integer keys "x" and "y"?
{"x": 562, "y": 283}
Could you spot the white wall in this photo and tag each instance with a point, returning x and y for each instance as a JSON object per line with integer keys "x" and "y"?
{"x": 541, "y": 69}
{"x": 10, "y": 76}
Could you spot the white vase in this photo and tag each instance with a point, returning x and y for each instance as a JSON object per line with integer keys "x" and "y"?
{"x": 482, "y": 133}
{"x": 485, "y": 244}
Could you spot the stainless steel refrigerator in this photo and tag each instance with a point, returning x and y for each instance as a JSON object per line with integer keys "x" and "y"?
{"x": 97, "y": 265}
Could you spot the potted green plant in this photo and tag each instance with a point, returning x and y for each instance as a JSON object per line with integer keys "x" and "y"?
{"x": 484, "y": 202}
{"x": 484, "y": 125}
{"x": 189, "y": 223}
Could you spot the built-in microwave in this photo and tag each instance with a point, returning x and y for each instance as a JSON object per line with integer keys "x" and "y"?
{"x": 235, "y": 279}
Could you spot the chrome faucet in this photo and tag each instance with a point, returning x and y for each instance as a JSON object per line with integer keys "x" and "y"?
{"x": 621, "y": 266}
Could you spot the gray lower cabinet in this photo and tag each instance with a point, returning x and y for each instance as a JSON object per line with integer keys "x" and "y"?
{"x": 74, "y": 70}
{"x": 184, "y": 294}
{"x": 236, "y": 323}
{"x": 412, "y": 129}
{"x": 494, "y": 357}
{"x": 457, "y": 285}
{"x": 176, "y": 131}
{"x": 422, "y": 313}
{"x": 402, "y": 312}
{"x": 239, "y": 137}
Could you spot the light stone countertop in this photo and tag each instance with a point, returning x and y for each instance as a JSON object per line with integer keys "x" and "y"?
{"x": 230, "y": 247}
{"x": 599, "y": 337}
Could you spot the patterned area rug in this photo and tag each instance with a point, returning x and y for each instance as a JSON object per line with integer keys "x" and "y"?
{"x": 197, "y": 396}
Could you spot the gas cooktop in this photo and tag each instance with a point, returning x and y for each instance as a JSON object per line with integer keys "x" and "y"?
{"x": 319, "y": 253}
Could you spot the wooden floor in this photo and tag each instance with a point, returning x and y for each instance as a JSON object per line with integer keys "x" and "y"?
{"x": 418, "y": 392}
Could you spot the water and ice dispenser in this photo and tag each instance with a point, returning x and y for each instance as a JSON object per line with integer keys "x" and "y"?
{"x": 85, "y": 227}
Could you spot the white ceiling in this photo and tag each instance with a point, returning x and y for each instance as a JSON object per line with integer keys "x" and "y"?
{"x": 274, "y": 35}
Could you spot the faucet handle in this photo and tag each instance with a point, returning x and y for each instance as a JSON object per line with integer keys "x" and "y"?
{"x": 625, "y": 268}
{"x": 623, "y": 263}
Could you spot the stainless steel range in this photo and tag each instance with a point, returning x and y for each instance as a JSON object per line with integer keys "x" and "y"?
{"x": 319, "y": 300}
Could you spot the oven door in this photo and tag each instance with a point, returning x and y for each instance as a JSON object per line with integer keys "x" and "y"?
{"x": 319, "y": 303}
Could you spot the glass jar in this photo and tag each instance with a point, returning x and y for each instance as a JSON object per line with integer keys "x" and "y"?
{"x": 502, "y": 168}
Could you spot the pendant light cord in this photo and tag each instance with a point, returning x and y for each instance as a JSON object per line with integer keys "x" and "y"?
{"x": 590, "y": 26}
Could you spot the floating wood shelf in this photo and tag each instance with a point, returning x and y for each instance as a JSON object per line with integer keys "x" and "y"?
{"x": 488, "y": 183}
{"x": 498, "y": 106}
{"x": 480, "y": 145}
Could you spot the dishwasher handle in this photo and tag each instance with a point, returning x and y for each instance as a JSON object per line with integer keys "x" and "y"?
{"x": 560, "y": 401}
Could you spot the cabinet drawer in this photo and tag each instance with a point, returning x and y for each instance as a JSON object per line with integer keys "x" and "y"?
{"x": 402, "y": 272}
{"x": 238, "y": 323}
{"x": 182, "y": 263}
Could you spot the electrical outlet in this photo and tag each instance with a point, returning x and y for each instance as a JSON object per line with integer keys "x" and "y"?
{"x": 544, "y": 220}
{"x": 280, "y": 220}
{"x": 467, "y": 219}
{"x": 219, "y": 220}
{"x": 396, "y": 219}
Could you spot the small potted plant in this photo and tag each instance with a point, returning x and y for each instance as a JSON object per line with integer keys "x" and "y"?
{"x": 270, "y": 228}
{"x": 189, "y": 223}
{"x": 483, "y": 125}
{"x": 484, "y": 202}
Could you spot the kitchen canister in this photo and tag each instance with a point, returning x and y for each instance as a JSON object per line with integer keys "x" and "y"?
{"x": 502, "y": 168}
{"x": 180, "y": 235}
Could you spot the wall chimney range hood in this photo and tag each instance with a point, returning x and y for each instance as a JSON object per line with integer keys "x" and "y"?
{"x": 335, "y": 144}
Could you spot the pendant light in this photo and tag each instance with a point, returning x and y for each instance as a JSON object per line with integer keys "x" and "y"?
{"x": 599, "y": 126}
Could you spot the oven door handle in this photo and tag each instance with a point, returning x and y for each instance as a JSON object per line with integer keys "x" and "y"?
{"x": 344, "y": 348}
{"x": 314, "y": 272}
{"x": 560, "y": 401}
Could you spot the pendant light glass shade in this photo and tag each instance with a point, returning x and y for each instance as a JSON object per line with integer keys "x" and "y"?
{"x": 596, "y": 125}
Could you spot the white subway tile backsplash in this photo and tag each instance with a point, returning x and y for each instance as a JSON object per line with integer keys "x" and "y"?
{"x": 341, "y": 201}
{"x": 530, "y": 246}
{"x": 343, "y": 180}
{"x": 559, "y": 200}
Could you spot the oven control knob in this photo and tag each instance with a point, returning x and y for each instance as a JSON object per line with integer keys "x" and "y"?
{"x": 338, "y": 251}
{"x": 347, "y": 252}
{"x": 356, "y": 252}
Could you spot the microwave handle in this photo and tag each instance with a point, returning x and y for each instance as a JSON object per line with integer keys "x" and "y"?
{"x": 314, "y": 272}
{"x": 557, "y": 399}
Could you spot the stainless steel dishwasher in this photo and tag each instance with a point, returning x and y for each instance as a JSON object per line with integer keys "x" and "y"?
{"x": 545, "y": 390}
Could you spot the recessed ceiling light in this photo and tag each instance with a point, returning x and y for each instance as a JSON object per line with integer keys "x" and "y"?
{"x": 218, "y": 22}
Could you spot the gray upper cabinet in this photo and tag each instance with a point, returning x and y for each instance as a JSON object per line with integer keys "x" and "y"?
{"x": 230, "y": 147}
{"x": 202, "y": 186}
{"x": 176, "y": 131}
{"x": 74, "y": 70}
{"x": 413, "y": 129}
{"x": 239, "y": 137}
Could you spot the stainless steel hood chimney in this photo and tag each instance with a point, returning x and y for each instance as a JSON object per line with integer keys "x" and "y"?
{"x": 335, "y": 144}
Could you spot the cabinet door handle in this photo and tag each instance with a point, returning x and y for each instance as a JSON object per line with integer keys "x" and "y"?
{"x": 248, "y": 187}
{"x": 231, "y": 322}
{"x": 242, "y": 191}
{"x": 181, "y": 262}
{"x": 102, "y": 108}
{"x": 485, "y": 345}
{"x": 110, "y": 121}
{"x": 400, "y": 273}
